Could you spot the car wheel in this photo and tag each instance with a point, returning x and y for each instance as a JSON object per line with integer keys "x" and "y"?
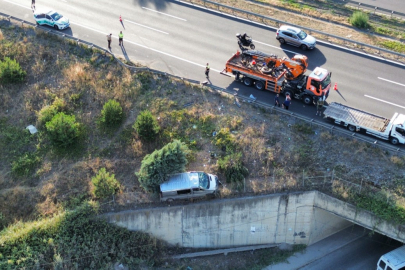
{"x": 281, "y": 40}
{"x": 252, "y": 46}
{"x": 259, "y": 85}
{"x": 351, "y": 128}
{"x": 56, "y": 27}
{"x": 394, "y": 140}
{"x": 247, "y": 81}
{"x": 304, "y": 47}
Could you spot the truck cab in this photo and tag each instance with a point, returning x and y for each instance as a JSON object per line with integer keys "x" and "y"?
{"x": 398, "y": 130}
{"x": 318, "y": 83}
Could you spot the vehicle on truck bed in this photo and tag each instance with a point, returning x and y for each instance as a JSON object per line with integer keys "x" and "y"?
{"x": 189, "y": 185}
{"x": 279, "y": 75}
{"x": 392, "y": 130}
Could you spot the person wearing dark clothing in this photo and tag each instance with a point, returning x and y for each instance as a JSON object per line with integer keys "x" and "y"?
{"x": 207, "y": 70}
{"x": 33, "y": 4}
{"x": 287, "y": 102}
{"x": 319, "y": 105}
{"x": 277, "y": 101}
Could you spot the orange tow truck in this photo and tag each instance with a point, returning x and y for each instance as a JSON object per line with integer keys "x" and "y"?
{"x": 279, "y": 75}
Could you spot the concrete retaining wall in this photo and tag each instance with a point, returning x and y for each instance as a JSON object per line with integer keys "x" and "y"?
{"x": 296, "y": 218}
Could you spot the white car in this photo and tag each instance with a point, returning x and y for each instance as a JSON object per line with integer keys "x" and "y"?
{"x": 296, "y": 37}
{"x": 51, "y": 18}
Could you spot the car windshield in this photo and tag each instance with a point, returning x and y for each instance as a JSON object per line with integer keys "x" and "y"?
{"x": 203, "y": 180}
{"x": 326, "y": 81}
{"x": 56, "y": 16}
{"x": 302, "y": 35}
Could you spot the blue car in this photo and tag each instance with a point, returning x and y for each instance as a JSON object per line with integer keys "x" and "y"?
{"x": 51, "y": 18}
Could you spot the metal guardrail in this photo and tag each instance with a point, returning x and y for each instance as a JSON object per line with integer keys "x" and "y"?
{"x": 356, "y": 45}
{"x": 373, "y": 8}
{"x": 254, "y": 102}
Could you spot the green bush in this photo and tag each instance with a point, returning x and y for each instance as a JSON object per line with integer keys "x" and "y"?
{"x": 393, "y": 45}
{"x": 77, "y": 240}
{"x": 10, "y": 71}
{"x": 233, "y": 168}
{"x": 24, "y": 165}
{"x": 146, "y": 126}
{"x": 111, "y": 115}
{"x": 225, "y": 140}
{"x": 359, "y": 19}
{"x": 156, "y": 167}
{"x": 48, "y": 112}
{"x": 105, "y": 184}
{"x": 63, "y": 130}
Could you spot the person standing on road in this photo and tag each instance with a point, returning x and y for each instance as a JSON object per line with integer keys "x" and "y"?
{"x": 33, "y": 4}
{"x": 109, "y": 40}
{"x": 121, "y": 38}
{"x": 207, "y": 70}
{"x": 319, "y": 105}
{"x": 277, "y": 100}
{"x": 287, "y": 102}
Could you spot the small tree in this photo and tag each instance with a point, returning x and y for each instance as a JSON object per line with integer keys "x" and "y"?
{"x": 48, "y": 112}
{"x": 111, "y": 115}
{"x": 156, "y": 167}
{"x": 233, "y": 168}
{"x": 359, "y": 19}
{"x": 105, "y": 184}
{"x": 10, "y": 71}
{"x": 63, "y": 129}
{"x": 146, "y": 126}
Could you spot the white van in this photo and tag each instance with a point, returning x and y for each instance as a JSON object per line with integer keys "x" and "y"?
{"x": 188, "y": 185}
{"x": 393, "y": 260}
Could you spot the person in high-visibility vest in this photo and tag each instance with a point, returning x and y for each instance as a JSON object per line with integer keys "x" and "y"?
{"x": 121, "y": 38}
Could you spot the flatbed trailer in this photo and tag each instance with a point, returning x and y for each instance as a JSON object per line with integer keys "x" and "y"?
{"x": 357, "y": 120}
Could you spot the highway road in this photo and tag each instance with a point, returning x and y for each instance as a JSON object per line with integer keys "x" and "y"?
{"x": 395, "y": 5}
{"x": 180, "y": 39}
{"x": 354, "y": 248}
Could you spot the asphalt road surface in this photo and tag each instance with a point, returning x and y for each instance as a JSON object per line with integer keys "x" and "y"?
{"x": 395, "y": 5}
{"x": 353, "y": 248}
{"x": 180, "y": 39}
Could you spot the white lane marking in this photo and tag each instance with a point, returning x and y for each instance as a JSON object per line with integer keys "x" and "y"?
{"x": 92, "y": 29}
{"x": 275, "y": 47}
{"x": 385, "y": 101}
{"x": 11, "y": 2}
{"x": 274, "y": 28}
{"x": 171, "y": 55}
{"x": 391, "y": 81}
{"x": 164, "y": 14}
{"x": 147, "y": 27}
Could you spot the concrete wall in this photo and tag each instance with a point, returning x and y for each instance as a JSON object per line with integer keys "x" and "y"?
{"x": 296, "y": 218}
{"x": 358, "y": 216}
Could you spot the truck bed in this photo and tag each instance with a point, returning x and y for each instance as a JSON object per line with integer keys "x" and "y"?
{"x": 356, "y": 117}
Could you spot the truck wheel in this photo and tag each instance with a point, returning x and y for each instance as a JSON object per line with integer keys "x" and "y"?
{"x": 247, "y": 81}
{"x": 307, "y": 100}
{"x": 351, "y": 128}
{"x": 259, "y": 85}
{"x": 394, "y": 140}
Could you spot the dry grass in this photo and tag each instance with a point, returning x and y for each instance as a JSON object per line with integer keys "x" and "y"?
{"x": 85, "y": 80}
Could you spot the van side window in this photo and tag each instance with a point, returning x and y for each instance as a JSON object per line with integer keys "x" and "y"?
{"x": 381, "y": 264}
{"x": 184, "y": 191}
